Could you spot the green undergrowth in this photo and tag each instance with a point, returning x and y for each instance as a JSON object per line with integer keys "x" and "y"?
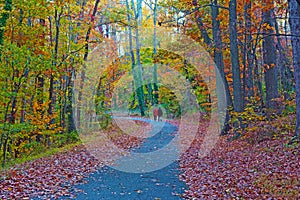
{"x": 40, "y": 152}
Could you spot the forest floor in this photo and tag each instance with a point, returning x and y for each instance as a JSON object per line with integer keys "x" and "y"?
{"x": 252, "y": 167}
{"x": 259, "y": 165}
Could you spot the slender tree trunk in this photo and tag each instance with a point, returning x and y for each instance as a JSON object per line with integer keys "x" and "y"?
{"x": 155, "y": 80}
{"x": 40, "y": 83}
{"x": 238, "y": 104}
{"x": 249, "y": 52}
{"x": 283, "y": 65}
{"x": 70, "y": 86}
{"x": 139, "y": 70}
{"x": 40, "y": 98}
{"x": 63, "y": 100}
{"x": 52, "y": 95}
{"x": 218, "y": 54}
{"x": 85, "y": 57}
{"x": 219, "y": 61}
{"x": 23, "y": 107}
{"x": 71, "y": 127}
{"x": 289, "y": 73}
{"x": 23, "y": 111}
{"x": 269, "y": 56}
{"x": 52, "y": 92}
{"x": 136, "y": 64}
{"x": 140, "y": 88}
{"x": 14, "y": 98}
{"x": 4, "y": 135}
{"x": 131, "y": 41}
{"x": 294, "y": 10}
{"x": 258, "y": 82}
{"x": 203, "y": 30}
{"x": 237, "y": 86}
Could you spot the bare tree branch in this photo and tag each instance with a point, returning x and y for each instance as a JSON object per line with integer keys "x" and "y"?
{"x": 189, "y": 12}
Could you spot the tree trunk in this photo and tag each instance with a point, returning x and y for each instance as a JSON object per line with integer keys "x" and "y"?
{"x": 269, "y": 56}
{"x": 238, "y": 104}
{"x": 40, "y": 98}
{"x": 294, "y": 9}
{"x": 237, "y": 86}
{"x": 203, "y": 30}
{"x": 85, "y": 57}
{"x": 219, "y": 61}
{"x": 70, "y": 86}
{"x": 23, "y": 110}
{"x": 140, "y": 86}
{"x": 52, "y": 95}
{"x": 249, "y": 53}
{"x": 136, "y": 64}
{"x": 63, "y": 100}
{"x": 139, "y": 70}
{"x": 258, "y": 82}
{"x": 155, "y": 80}
{"x": 283, "y": 65}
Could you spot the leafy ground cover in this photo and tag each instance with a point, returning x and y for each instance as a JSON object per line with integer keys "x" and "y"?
{"x": 256, "y": 166}
{"x": 47, "y": 177}
{"x": 132, "y": 140}
{"x": 259, "y": 165}
{"x": 52, "y": 176}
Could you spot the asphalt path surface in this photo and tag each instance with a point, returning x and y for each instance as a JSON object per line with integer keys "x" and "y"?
{"x": 148, "y": 172}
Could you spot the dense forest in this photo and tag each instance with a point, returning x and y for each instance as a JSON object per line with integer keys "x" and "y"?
{"x": 65, "y": 64}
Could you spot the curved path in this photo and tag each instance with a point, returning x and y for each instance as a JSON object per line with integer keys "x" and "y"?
{"x": 109, "y": 183}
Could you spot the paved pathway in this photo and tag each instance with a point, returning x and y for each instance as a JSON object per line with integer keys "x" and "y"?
{"x": 120, "y": 184}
